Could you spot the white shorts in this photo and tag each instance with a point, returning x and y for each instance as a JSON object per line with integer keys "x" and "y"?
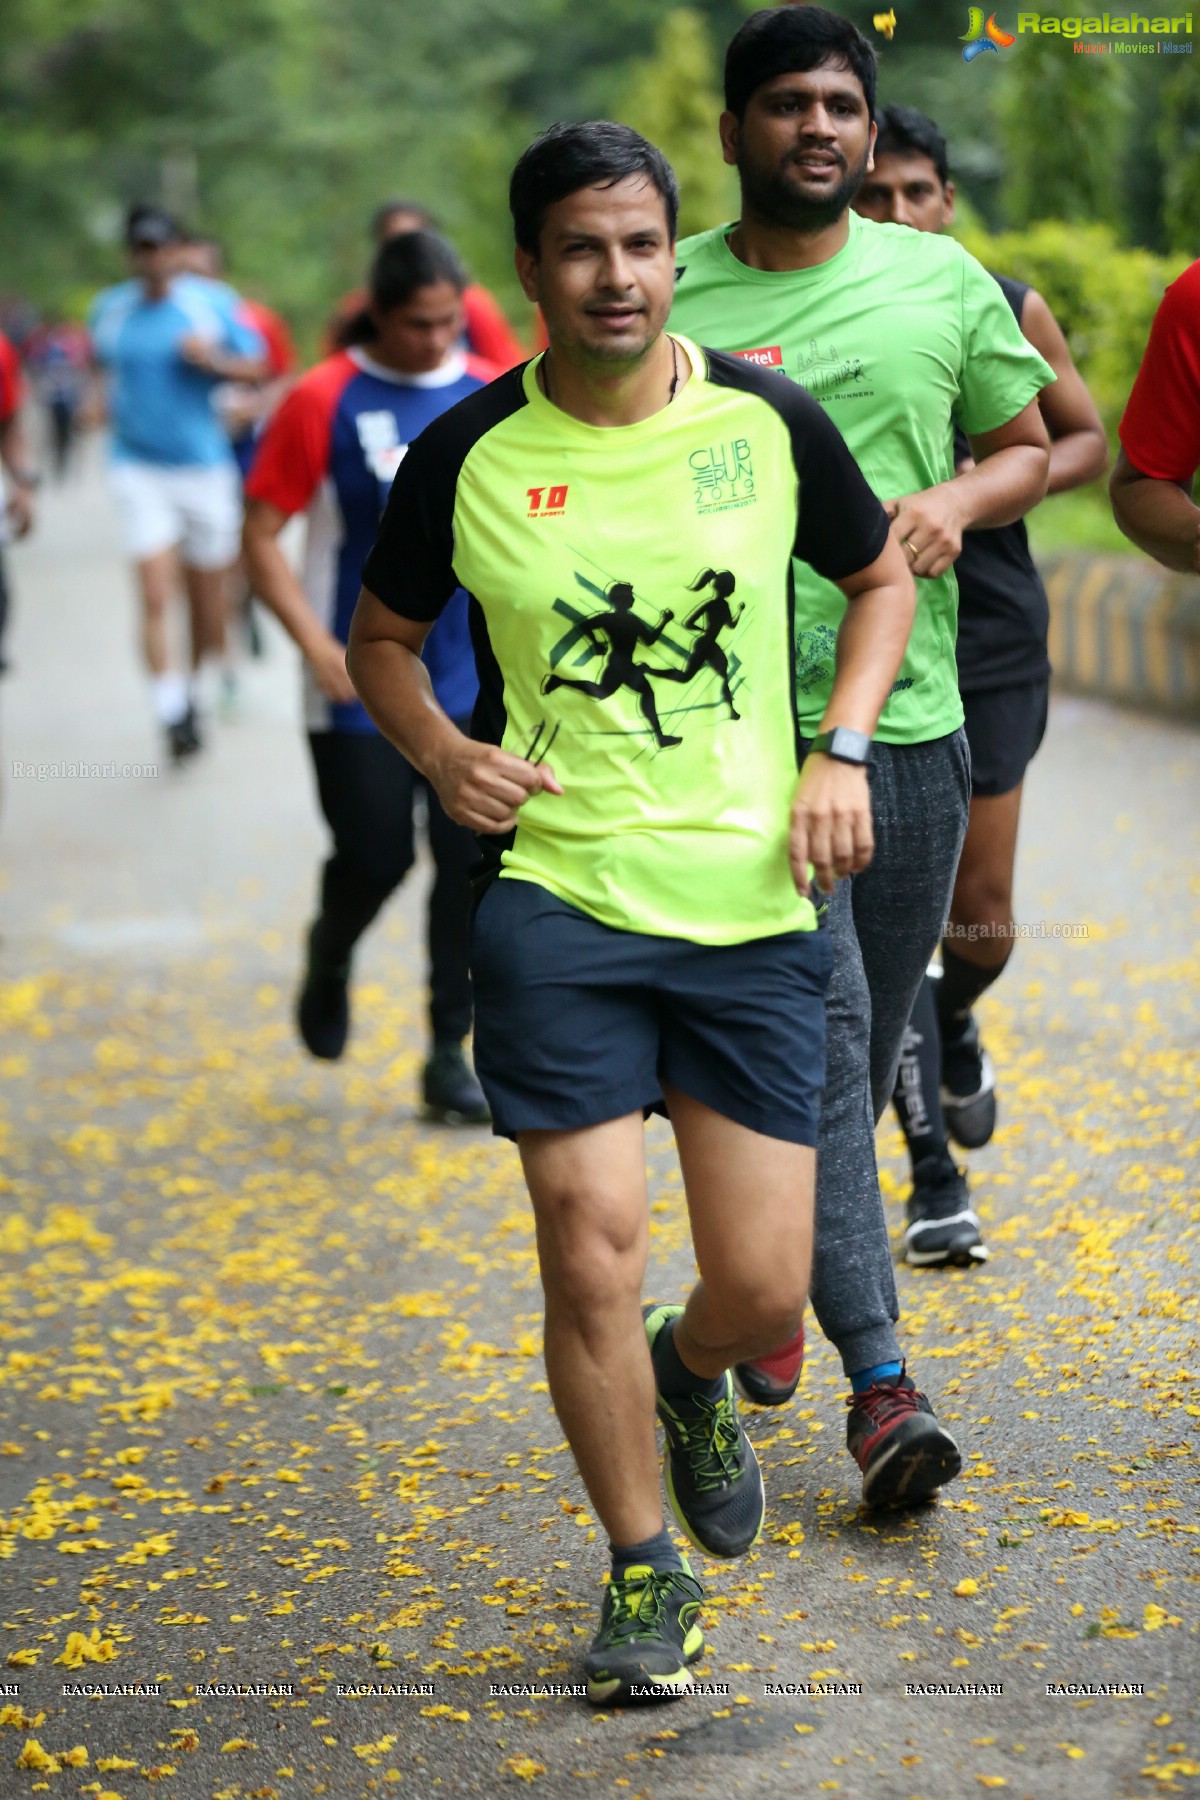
{"x": 197, "y": 508}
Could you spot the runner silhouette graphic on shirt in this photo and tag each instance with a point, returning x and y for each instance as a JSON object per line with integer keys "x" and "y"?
{"x": 625, "y": 632}
{"x": 709, "y": 620}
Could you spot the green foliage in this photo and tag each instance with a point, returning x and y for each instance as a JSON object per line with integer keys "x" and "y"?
{"x": 1179, "y": 145}
{"x": 675, "y": 100}
{"x": 1060, "y": 116}
{"x": 1104, "y": 297}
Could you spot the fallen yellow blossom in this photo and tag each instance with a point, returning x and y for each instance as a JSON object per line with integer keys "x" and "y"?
{"x": 80, "y": 1649}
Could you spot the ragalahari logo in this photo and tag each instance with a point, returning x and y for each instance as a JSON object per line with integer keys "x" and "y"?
{"x": 979, "y": 37}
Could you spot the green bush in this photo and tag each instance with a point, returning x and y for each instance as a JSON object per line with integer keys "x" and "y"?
{"x": 1103, "y": 296}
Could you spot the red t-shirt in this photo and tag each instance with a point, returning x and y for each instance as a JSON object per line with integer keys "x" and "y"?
{"x": 273, "y": 330}
{"x": 12, "y": 381}
{"x": 1160, "y": 429}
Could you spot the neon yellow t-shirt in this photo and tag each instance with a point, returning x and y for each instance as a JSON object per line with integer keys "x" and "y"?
{"x": 898, "y": 336}
{"x": 631, "y": 613}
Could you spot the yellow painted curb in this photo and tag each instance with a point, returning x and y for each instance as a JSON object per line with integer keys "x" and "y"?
{"x": 1123, "y": 628}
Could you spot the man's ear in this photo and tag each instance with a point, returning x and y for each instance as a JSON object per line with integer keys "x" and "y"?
{"x": 527, "y": 273}
{"x": 871, "y": 148}
{"x": 729, "y": 129}
{"x": 948, "y": 196}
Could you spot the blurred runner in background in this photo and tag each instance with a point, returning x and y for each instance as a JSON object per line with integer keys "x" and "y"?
{"x": 58, "y": 354}
{"x": 946, "y": 1082}
{"x": 19, "y": 480}
{"x": 245, "y": 407}
{"x": 486, "y": 331}
{"x": 166, "y": 340}
{"x": 332, "y": 450}
{"x": 1151, "y": 486}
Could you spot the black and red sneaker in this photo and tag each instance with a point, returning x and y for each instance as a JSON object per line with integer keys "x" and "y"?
{"x": 893, "y": 1435}
{"x": 773, "y": 1379}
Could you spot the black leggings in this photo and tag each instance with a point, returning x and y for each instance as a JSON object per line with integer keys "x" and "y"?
{"x": 366, "y": 790}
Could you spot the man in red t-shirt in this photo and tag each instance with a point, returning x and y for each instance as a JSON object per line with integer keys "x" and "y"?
{"x": 16, "y": 512}
{"x": 1151, "y": 485}
{"x": 487, "y": 332}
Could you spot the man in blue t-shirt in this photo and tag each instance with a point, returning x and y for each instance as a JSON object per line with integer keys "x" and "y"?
{"x": 165, "y": 340}
{"x": 331, "y": 452}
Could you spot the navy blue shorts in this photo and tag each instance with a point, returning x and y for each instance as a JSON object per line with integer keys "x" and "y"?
{"x": 576, "y": 1023}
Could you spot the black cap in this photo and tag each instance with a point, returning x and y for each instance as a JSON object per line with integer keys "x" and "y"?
{"x": 150, "y": 227}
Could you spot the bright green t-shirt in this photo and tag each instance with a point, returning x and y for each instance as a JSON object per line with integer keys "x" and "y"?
{"x": 898, "y": 335}
{"x": 631, "y": 612}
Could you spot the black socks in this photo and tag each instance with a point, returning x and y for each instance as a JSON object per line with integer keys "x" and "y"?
{"x": 916, "y": 1096}
{"x": 960, "y": 987}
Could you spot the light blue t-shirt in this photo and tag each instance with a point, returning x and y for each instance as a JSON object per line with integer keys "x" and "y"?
{"x": 161, "y": 406}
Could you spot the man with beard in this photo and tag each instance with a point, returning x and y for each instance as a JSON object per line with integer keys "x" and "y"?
{"x": 896, "y": 334}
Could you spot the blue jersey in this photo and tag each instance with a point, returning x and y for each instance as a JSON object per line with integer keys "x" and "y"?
{"x": 333, "y": 449}
{"x": 161, "y": 405}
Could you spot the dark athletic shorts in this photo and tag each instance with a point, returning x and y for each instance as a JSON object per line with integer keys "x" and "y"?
{"x": 1004, "y": 729}
{"x": 576, "y": 1023}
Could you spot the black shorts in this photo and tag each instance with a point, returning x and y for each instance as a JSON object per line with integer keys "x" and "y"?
{"x": 577, "y": 1023}
{"x": 1004, "y": 729}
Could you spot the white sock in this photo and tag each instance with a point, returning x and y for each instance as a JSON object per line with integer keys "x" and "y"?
{"x": 170, "y": 698}
{"x": 205, "y": 685}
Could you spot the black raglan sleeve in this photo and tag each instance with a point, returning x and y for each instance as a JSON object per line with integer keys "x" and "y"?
{"x": 411, "y": 564}
{"x": 840, "y": 525}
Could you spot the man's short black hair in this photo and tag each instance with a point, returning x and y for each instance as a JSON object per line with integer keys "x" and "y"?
{"x": 903, "y": 131}
{"x": 785, "y": 40}
{"x": 152, "y": 227}
{"x": 569, "y": 157}
{"x": 383, "y": 213}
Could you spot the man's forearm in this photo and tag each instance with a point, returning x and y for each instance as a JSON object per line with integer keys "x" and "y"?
{"x": 275, "y": 584}
{"x": 1076, "y": 459}
{"x": 870, "y": 648}
{"x": 1002, "y": 487}
{"x": 1159, "y": 518}
{"x": 394, "y": 686}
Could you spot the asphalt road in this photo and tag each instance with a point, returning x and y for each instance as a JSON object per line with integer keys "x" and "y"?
{"x": 273, "y": 1405}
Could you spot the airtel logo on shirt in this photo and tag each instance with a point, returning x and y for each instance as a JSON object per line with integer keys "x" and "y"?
{"x": 770, "y": 358}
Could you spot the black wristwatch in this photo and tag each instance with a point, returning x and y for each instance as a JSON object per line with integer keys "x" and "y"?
{"x": 843, "y": 745}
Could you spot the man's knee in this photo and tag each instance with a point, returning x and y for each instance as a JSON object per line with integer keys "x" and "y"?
{"x": 592, "y": 1251}
{"x": 982, "y": 899}
{"x": 766, "y": 1307}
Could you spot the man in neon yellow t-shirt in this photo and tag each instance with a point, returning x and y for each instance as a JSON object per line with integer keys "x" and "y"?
{"x": 651, "y": 934}
{"x": 896, "y": 334}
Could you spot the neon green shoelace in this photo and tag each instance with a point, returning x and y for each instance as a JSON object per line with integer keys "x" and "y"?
{"x": 637, "y": 1611}
{"x": 711, "y": 1443}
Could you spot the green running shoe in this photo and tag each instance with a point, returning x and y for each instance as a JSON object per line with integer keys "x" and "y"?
{"x": 648, "y": 1634}
{"x": 714, "y": 1483}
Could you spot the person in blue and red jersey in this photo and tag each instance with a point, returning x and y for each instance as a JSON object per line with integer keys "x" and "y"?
{"x": 332, "y": 450}
{"x": 485, "y": 330}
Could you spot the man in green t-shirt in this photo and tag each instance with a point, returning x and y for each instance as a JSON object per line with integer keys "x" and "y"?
{"x": 895, "y": 333}
{"x": 651, "y": 935}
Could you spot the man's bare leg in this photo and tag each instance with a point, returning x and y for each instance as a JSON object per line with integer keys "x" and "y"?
{"x": 750, "y": 1199}
{"x": 208, "y": 605}
{"x": 157, "y": 579}
{"x": 589, "y": 1199}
